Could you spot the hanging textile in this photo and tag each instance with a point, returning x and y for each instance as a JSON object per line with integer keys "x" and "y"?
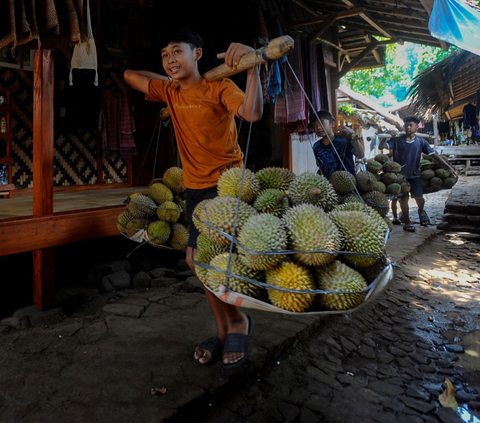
{"x": 275, "y": 83}
{"x": 116, "y": 124}
{"x": 85, "y": 53}
{"x": 311, "y": 75}
{"x": 290, "y": 107}
{"x": 457, "y": 23}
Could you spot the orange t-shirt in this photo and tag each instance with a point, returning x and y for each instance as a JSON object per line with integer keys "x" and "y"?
{"x": 203, "y": 117}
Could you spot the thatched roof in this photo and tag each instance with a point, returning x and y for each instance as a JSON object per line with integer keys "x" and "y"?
{"x": 445, "y": 88}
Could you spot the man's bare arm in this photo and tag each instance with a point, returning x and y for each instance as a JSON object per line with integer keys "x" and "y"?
{"x": 138, "y": 79}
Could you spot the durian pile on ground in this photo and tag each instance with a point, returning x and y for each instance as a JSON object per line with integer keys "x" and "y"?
{"x": 387, "y": 172}
{"x": 158, "y": 216}
{"x": 434, "y": 176}
{"x": 282, "y": 237}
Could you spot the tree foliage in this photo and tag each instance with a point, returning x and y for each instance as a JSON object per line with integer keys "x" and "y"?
{"x": 390, "y": 84}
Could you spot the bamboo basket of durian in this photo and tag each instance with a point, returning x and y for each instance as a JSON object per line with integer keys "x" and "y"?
{"x": 158, "y": 216}
{"x": 277, "y": 241}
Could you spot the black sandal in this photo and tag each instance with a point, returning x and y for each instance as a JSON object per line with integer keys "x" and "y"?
{"x": 237, "y": 342}
{"x": 409, "y": 227}
{"x": 396, "y": 221}
{"x": 214, "y": 346}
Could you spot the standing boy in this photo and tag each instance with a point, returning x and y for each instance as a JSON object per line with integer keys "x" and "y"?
{"x": 203, "y": 115}
{"x": 333, "y": 153}
{"x": 407, "y": 151}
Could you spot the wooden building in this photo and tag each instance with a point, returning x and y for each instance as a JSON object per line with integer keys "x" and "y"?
{"x": 56, "y": 148}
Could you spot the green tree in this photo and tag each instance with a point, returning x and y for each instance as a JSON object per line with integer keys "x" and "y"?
{"x": 390, "y": 83}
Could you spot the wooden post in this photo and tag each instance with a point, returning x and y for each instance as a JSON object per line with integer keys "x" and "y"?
{"x": 43, "y": 260}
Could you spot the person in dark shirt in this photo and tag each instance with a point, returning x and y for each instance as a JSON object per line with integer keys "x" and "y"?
{"x": 407, "y": 151}
{"x": 333, "y": 153}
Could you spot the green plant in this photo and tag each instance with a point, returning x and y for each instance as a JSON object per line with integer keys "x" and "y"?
{"x": 347, "y": 109}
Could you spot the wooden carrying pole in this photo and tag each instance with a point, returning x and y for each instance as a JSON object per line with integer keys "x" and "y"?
{"x": 276, "y": 49}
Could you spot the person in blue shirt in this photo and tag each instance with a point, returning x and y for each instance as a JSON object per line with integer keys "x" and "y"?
{"x": 407, "y": 151}
{"x": 333, "y": 153}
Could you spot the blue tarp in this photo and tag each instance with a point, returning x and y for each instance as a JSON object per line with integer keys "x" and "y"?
{"x": 457, "y": 23}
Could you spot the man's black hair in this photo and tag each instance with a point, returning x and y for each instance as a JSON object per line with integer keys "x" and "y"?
{"x": 411, "y": 119}
{"x": 180, "y": 34}
{"x": 323, "y": 115}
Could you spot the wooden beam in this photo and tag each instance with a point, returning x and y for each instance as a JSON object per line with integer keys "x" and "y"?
{"x": 43, "y": 271}
{"x": 25, "y": 234}
{"x": 367, "y": 18}
{"x": 361, "y": 46}
{"x": 322, "y": 18}
{"x": 375, "y": 52}
{"x": 357, "y": 59}
{"x": 320, "y": 29}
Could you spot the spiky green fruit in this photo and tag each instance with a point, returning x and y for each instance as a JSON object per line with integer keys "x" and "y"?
{"x": 141, "y": 206}
{"x": 392, "y": 166}
{"x": 179, "y": 236}
{"x": 442, "y": 173}
{"x": 343, "y": 182}
{"x": 381, "y": 187}
{"x": 389, "y": 178}
{"x": 197, "y": 215}
{"x": 382, "y": 158}
{"x": 122, "y": 219}
{"x": 173, "y": 179}
{"x": 310, "y": 229}
{"x": 405, "y": 187}
{"x": 224, "y": 215}
{"x": 366, "y": 181}
{"x": 272, "y": 201}
{"x": 159, "y": 193}
{"x": 206, "y": 251}
{"x": 290, "y": 275}
{"x": 362, "y": 234}
{"x": 435, "y": 183}
{"x": 262, "y": 233}
{"x": 378, "y": 201}
{"x": 226, "y": 269}
{"x": 315, "y": 189}
{"x": 449, "y": 182}
{"x": 393, "y": 189}
{"x": 337, "y": 276}
{"x": 351, "y": 198}
{"x": 427, "y": 174}
{"x": 275, "y": 178}
{"x": 168, "y": 211}
{"x": 159, "y": 232}
{"x": 373, "y": 166}
{"x": 238, "y": 178}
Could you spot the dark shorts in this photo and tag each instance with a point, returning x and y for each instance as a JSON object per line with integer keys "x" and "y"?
{"x": 195, "y": 196}
{"x": 416, "y": 190}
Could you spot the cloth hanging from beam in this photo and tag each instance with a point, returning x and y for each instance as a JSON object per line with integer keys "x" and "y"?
{"x": 457, "y": 23}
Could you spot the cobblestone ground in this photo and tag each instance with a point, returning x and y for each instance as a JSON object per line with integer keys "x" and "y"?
{"x": 386, "y": 363}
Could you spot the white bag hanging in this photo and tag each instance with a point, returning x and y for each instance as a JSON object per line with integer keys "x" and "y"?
{"x": 85, "y": 54}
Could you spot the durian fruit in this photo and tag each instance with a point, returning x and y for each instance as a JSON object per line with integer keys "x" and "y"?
{"x": 366, "y": 181}
{"x": 197, "y": 215}
{"x": 290, "y": 275}
{"x": 159, "y": 192}
{"x": 449, "y": 182}
{"x": 123, "y": 218}
{"x": 275, "y": 178}
{"x": 179, "y": 236}
{"x": 310, "y": 229}
{"x": 405, "y": 187}
{"x": 435, "y": 183}
{"x": 392, "y": 166}
{"x": 373, "y": 166}
{"x": 378, "y": 201}
{"x": 393, "y": 189}
{"x": 262, "y": 233}
{"x": 389, "y": 178}
{"x": 182, "y": 205}
{"x": 427, "y": 174}
{"x": 168, "y": 211}
{"x": 224, "y": 214}
{"x": 442, "y": 173}
{"x": 389, "y": 223}
{"x": 141, "y": 206}
{"x": 206, "y": 251}
{"x": 362, "y": 234}
{"x": 381, "y": 187}
{"x": 425, "y": 164}
{"x": 313, "y": 189}
{"x": 343, "y": 182}
{"x": 134, "y": 226}
{"x": 338, "y": 276}
{"x": 351, "y": 198}
{"x": 159, "y": 232}
{"x": 173, "y": 179}
{"x": 231, "y": 264}
{"x": 382, "y": 158}
{"x": 233, "y": 179}
{"x": 273, "y": 201}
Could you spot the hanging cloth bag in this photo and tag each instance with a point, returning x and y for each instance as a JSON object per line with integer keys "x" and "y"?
{"x": 85, "y": 53}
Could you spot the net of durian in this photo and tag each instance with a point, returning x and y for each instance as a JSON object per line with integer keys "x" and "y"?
{"x": 244, "y": 291}
{"x": 131, "y": 227}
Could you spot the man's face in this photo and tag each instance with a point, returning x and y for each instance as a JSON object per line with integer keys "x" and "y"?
{"x": 324, "y": 129}
{"x": 179, "y": 59}
{"x": 410, "y": 127}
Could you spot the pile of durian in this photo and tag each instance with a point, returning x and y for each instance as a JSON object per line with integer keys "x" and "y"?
{"x": 387, "y": 173}
{"x": 434, "y": 177}
{"x": 302, "y": 233}
{"x": 158, "y": 216}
